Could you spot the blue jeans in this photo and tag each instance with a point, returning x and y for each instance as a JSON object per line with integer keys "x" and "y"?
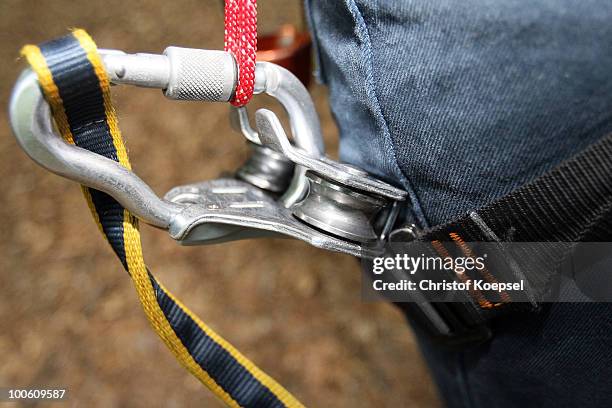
{"x": 460, "y": 102}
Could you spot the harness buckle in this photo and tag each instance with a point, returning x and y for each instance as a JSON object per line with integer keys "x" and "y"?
{"x": 452, "y": 325}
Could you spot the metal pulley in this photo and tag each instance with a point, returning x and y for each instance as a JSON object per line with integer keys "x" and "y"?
{"x": 286, "y": 187}
{"x": 266, "y": 169}
{"x": 338, "y": 210}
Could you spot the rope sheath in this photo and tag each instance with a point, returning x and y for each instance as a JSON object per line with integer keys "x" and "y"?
{"x": 241, "y": 42}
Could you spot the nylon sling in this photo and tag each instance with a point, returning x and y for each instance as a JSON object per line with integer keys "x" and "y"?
{"x": 74, "y": 83}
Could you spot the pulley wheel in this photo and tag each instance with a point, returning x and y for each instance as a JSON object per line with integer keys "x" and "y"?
{"x": 338, "y": 210}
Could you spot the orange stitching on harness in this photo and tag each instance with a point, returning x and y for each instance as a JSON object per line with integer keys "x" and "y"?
{"x": 467, "y": 251}
{"x": 474, "y": 293}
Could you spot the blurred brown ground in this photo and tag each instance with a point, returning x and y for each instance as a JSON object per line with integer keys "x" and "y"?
{"x": 69, "y": 316}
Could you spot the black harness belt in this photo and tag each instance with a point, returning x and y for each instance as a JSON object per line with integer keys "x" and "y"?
{"x": 551, "y": 216}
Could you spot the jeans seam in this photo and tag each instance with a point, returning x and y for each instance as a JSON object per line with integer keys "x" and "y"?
{"x": 319, "y": 71}
{"x": 364, "y": 37}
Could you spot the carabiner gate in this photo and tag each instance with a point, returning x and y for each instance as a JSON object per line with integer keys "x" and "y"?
{"x": 287, "y": 187}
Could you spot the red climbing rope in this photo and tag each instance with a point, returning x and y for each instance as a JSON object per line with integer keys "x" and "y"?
{"x": 241, "y": 41}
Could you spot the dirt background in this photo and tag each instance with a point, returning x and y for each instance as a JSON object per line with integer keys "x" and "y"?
{"x": 69, "y": 316}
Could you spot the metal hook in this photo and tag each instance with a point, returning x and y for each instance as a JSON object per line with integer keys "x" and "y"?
{"x": 31, "y": 123}
{"x": 213, "y": 211}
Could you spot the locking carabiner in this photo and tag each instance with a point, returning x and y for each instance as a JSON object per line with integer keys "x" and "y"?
{"x": 328, "y": 204}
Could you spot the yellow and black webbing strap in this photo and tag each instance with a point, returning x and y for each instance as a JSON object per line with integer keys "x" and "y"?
{"x": 75, "y": 85}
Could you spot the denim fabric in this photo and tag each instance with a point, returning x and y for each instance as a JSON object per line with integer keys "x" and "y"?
{"x": 558, "y": 358}
{"x": 460, "y": 102}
